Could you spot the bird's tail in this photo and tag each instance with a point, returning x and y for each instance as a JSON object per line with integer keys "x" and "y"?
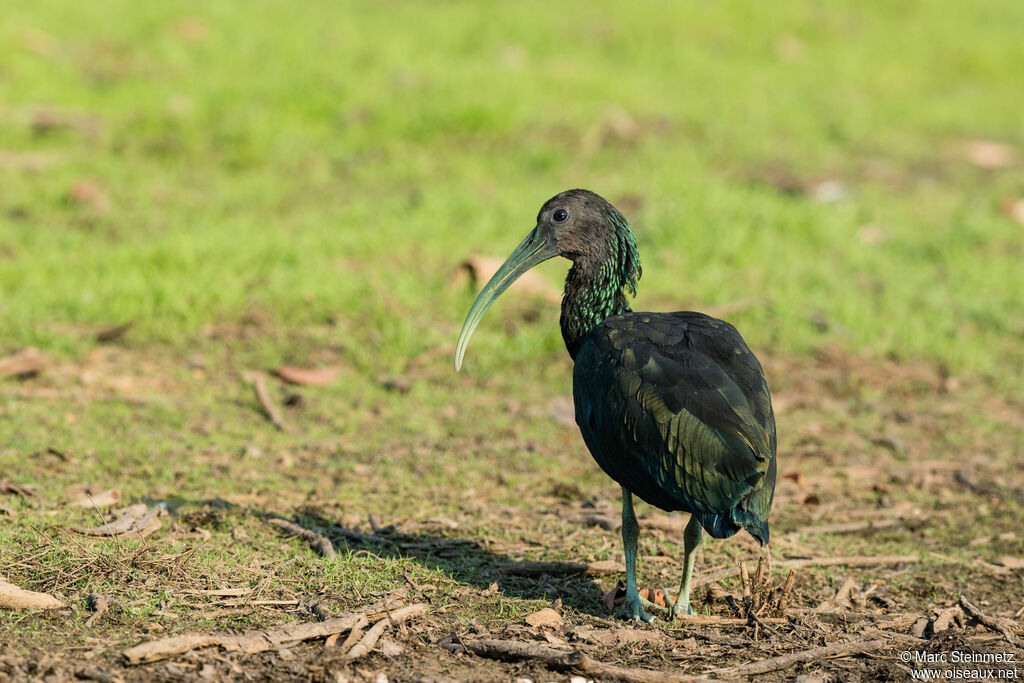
{"x": 755, "y": 526}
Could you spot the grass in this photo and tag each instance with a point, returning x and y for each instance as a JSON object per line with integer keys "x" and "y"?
{"x": 256, "y": 185}
{"x": 325, "y": 166}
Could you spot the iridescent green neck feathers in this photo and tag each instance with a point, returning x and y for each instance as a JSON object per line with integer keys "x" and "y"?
{"x": 595, "y": 288}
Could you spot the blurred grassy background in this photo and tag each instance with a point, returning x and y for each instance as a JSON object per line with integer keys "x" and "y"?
{"x": 834, "y": 172}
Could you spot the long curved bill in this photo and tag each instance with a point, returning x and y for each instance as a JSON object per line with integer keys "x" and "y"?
{"x": 531, "y": 251}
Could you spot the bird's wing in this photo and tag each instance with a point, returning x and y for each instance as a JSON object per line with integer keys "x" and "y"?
{"x": 675, "y": 407}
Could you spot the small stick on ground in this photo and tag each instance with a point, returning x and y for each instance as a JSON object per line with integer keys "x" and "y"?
{"x": 948, "y": 618}
{"x": 259, "y": 383}
{"x": 317, "y": 542}
{"x": 353, "y": 636}
{"x": 745, "y": 581}
{"x": 731, "y": 601}
{"x": 842, "y": 596}
{"x": 567, "y": 660}
{"x": 1001, "y": 625}
{"x": 250, "y": 642}
{"x": 759, "y": 581}
{"x": 370, "y": 638}
{"x": 787, "y": 588}
{"x": 818, "y": 653}
{"x": 702, "y": 620}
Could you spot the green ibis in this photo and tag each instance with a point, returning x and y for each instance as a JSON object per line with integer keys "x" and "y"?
{"x": 673, "y": 406}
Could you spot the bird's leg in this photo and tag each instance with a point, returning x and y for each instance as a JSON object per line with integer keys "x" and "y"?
{"x": 634, "y": 606}
{"x": 692, "y": 537}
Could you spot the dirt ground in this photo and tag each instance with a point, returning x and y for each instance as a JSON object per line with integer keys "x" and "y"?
{"x": 897, "y": 514}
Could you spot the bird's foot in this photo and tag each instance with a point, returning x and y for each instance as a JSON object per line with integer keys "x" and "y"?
{"x": 633, "y": 609}
{"x": 679, "y": 607}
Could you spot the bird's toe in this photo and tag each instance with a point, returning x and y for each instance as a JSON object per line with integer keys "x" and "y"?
{"x": 632, "y": 610}
{"x": 680, "y": 608}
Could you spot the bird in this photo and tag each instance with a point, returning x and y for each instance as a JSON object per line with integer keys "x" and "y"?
{"x": 674, "y": 407}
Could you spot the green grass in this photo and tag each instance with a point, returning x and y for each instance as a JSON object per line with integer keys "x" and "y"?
{"x": 334, "y": 164}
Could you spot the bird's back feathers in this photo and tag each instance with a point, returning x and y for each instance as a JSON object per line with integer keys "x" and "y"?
{"x": 675, "y": 407}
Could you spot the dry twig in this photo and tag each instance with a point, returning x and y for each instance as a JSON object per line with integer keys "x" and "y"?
{"x": 1001, "y": 625}
{"x": 373, "y": 634}
{"x": 252, "y": 641}
{"x": 353, "y": 636}
{"x": 317, "y": 542}
{"x": 259, "y": 383}
{"x": 814, "y": 654}
{"x": 787, "y": 588}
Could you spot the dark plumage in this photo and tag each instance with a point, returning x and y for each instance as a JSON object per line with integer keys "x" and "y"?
{"x": 673, "y": 406}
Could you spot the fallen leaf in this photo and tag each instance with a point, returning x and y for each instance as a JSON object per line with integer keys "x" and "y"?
{"x": 88, "y": 497}
{"x": 13, "y": 597}
{"x": 136, "y": 520}
{"x": 617, "y": 596}
{"x": 320, "y": 377}
{"x": 191, "y": 29}
{"x": 1011, "y": 562}
{"x": 655, "y": 595}
{"x": 544, "y": 617}
{"x": 796, "y": 477}
{"x": 1014, "y": 209}
{"x": 989, "y": 154}
{"x": 89, "y": 194}
{"x": 25, "y": 362}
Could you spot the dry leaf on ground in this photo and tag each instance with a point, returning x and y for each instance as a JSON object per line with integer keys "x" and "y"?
{"x": 1014, "y": 209}
{"x": 544, "y": 617}
{"x": 1011, "y": 562}
{"x": 989, "y": 154}
{"x": 27, "y": 361}
{"x": 136, "y": 520}
{"x": 319, "y": 377}
{"x": 88, "y": 497}
{"x": 13, "y": 597}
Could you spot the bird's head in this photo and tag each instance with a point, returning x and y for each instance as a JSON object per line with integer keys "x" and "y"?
{"x": 576, "y": 224}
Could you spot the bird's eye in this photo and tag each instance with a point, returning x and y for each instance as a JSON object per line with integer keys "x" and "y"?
{"x": 560, "y": 216}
